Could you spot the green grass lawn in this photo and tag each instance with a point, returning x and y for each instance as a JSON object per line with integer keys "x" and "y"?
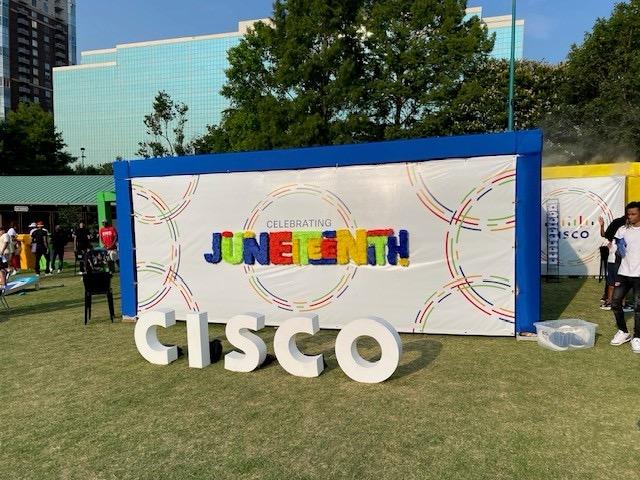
{"x": 80, "y": 402}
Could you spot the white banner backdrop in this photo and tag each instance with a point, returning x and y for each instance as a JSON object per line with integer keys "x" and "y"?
{"x": 459, "y": 215}
{"x": 581, "y": 202}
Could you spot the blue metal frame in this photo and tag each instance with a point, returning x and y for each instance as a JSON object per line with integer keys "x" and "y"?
{"x": 526, "y": 144}
{"x": 126, "y": 241}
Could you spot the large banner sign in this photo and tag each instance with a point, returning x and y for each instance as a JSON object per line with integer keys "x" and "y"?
{"x": 580, "y": 202}
{"x": 427, "y": 244}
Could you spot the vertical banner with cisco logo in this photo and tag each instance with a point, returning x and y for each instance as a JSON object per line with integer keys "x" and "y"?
{"x": 580, "y": 202}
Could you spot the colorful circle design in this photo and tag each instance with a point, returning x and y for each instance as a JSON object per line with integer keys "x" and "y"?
{"x": 165, "y": 212}
{"x": 347, "y": 272}
{"x": 605, "y": 212}
{"x": 461, "y": 213}
{"x": 459, "y": 219}
{"x": 169, "y": 273}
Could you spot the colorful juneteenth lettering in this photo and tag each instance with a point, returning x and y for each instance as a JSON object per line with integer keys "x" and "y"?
{"x": 330, "y": 247}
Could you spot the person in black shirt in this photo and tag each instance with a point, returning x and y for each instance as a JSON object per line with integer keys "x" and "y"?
{"x": 58, "y": 242}
{"x": 40, "y": 238}
{"x": 81, "y": 243}
{"x": 613, "y": 262}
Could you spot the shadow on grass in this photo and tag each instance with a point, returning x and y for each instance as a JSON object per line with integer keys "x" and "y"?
{"x": 420, "y": 352}
{"x": 50, "y": 287}
{"x": 417, "y": 353}
{"x": 34, "y": 309}
{"x": 556, "y": 296}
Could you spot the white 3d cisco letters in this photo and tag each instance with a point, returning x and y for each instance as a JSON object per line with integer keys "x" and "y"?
{"x": 198, "y": 339}
{"x": 146, "y": 336}
{"x": 289, "y": 356}
{"x": 253, "y": 350}
{"x": 354, "y": 365}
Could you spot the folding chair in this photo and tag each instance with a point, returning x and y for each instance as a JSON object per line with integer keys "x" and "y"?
{"x": 79, "y": 260}
{"x": 96, "y": 283}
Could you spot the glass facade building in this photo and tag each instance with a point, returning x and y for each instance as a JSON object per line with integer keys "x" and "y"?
{"x": 37, "y": 35}
{"x": 99, "y": 105}
{"x": 5, "y": 86}
{"x": 500, "y": 26}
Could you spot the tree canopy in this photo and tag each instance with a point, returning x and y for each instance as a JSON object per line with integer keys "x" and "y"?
{"x": 482, "y": 103}
{"x": 30, "y": 144}
{"x": 339, "y": 71}
{"x": 600, "y": 92}
{"x": 165, "y": 124}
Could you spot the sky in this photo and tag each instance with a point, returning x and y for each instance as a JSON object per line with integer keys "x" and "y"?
{"x": 551, "y": 26}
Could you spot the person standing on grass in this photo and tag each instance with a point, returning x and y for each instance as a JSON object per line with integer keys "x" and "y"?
{"x": 3, "y": 273}
{"x": 109, "y": 239}
{"x": 40, "y": 237}
{"x": 58, "y": 242}
{"x": 627, "y": 239}
{"x": 14, "y": 261}
{"x": 613, "y": 260}
{"x": 81, "y": 244}
{"x": 5, "y": 242}
{"x": 6, "y": 247}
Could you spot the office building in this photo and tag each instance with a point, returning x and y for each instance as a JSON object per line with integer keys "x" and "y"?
{"x": 37, "y": 35}
{"x": 501, "y": 27}
{"x": 101, "y": 103}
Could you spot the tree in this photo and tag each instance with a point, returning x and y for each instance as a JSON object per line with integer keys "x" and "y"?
{"x": 419, "y": 55}
{"x": 166, "y": 125}
{"x": 30, "y": 144}
{"x": 214, "y": 140}
{"x": 297, "y": 81}
{"x": 103, "y": 169}
{"x": 341, "y": 71}
{"x": 481, "y": 105}
{"x": 601, "y": 92}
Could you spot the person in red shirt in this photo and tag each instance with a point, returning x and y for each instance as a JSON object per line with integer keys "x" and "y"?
{"x": 109, "y": 239}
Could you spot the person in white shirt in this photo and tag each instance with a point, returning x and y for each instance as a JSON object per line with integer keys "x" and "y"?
{"x": 5, "y": 244}
{"x": 627, "y": 240}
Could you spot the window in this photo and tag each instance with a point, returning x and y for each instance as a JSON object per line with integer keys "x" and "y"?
{"x": 34, "y": 3}
{"x": 34, "y": 43}
{"x": 35, "y": 52}
{"x": 46, "y": 7}
{"x": 34, "y": 24}
{"x": 46, "y": 39}
{"x": 35, "y": 72}
{"x": 47, "y": 66}
{"x": 47, "y": 94}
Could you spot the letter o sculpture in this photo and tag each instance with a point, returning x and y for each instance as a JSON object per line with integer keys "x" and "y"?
{"x": 353, "y": 364}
